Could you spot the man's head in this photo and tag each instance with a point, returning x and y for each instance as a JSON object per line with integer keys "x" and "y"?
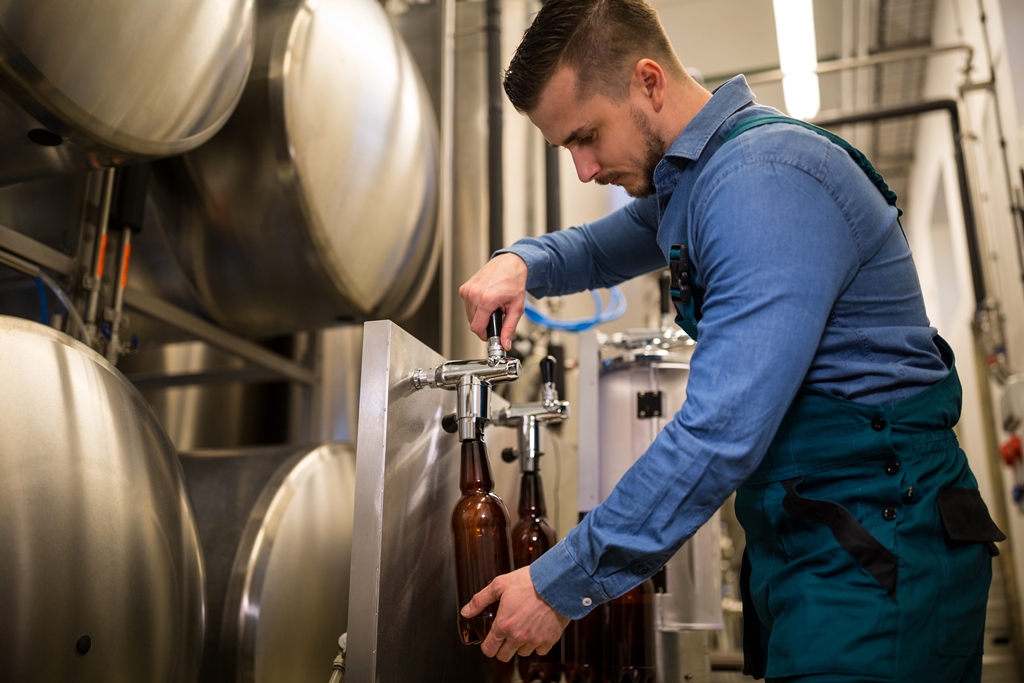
{"x": 600, "y": 40}
{"x": 600, "y": 78}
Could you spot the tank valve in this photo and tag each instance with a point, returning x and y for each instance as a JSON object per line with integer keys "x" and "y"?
{"x": 472, "y": 380}
{"x": 529, "y": 418}
{"x": 338, "y": 670}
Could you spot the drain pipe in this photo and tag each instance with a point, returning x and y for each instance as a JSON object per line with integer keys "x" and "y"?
{"x": 127, "y": 216}
{"x": 1015, "y": 211}
{"x": 93, "y": 281}
{"x": 495, "y": 189}
{"x": 966, "y": 201}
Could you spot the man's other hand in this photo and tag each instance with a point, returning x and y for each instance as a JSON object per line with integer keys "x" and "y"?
{"x": 524, "y": 623}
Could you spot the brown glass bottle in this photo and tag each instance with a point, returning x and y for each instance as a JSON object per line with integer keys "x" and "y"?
{"x": 480, "y": 533}
{"x": 532, "y": 536}
{"x": 631, "y": 636}
{"x": 584, "y": 647}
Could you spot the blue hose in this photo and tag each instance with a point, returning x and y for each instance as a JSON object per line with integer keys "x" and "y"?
{"x": 44, "y": 313}
{"x": 615, "y": 309}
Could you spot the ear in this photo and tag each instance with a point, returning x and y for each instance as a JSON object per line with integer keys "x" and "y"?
{"x": 649, "y": 81}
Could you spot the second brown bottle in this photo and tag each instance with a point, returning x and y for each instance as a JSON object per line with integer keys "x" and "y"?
{"x": 532, "y": 536}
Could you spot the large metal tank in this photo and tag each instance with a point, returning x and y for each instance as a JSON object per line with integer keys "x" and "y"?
{"x": 101, "y": 573}
{"x": 317, "y": 201}
{"x": 276, "y": 529}
{"x": 92, "y": 84}
{"x": 642, "y": 384}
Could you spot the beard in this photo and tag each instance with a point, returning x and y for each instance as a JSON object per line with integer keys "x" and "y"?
{"x": 644, "y": 163}
{"x": 654, "y": 150}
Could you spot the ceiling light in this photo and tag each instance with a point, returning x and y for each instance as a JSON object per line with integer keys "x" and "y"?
{"x": 798, "y": 57}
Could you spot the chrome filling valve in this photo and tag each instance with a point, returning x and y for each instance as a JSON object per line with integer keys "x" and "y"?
{"x": 472, "y": 379}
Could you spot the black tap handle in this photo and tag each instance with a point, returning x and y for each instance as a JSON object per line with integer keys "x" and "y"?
{"x": 665, "y": 283}
{"x": 509, "y": 455}
{"x": 450, "y": 423}
{"x": 494, "y": 327}
{"x": 547, "y": 370}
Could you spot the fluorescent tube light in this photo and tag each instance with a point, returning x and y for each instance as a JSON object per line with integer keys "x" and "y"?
{"x": 798, "y": 57}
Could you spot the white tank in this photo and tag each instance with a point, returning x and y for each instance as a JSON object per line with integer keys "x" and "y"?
{"x": 641, "y": 387}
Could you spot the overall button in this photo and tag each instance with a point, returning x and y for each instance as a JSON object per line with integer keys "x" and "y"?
{"x": 889, "y": 514}
{"x": 587, "y": 602}
{"x": 892, "y": 467}
{"x": 878, "y": 424}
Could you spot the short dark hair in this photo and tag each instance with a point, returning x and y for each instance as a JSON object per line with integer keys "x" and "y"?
{"x": 601, "y": 40}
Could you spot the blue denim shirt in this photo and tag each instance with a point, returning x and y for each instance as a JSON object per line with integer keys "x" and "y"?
{"x": 808, "y": 278}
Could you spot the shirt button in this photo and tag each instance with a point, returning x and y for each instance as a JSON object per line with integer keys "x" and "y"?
{"x": 878, "y": 424}
{"x": 892, "y": 467}
{"x": 889, "y": 514}
{"x": 587, "y": 602}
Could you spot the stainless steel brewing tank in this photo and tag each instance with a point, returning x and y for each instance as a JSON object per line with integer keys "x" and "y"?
{"x": 101, "y": 577}
{"x": 317, "y": 201}
{"x": 276, "y": 531}
{"x": 92, "y": 84}
{"x": 641, "y": 387}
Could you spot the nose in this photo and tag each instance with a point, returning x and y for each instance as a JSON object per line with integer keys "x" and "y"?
{"x": 587, "y": 167}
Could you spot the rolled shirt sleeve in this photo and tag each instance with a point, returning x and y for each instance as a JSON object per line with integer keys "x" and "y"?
{"x": 771, "y": 278}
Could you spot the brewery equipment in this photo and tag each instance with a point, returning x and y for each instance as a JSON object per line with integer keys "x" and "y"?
{"x": 318, "y": 199}
{"x": 102, "y": 579}
{"x": 275, "y": 523}
{"x": 93, "y": 84}
{"x": 638, "y": 382}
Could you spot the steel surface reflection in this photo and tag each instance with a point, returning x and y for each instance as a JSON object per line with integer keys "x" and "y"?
{"x": 276, "y": 529}
{"x": 102, "y": 575}
{"x": 92, "y": 84}
{"x": 318, "y": 200}
{"x": 402, "y": 611}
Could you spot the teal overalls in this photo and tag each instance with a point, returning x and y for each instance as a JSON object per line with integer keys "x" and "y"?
{"x": 868, "y": 545}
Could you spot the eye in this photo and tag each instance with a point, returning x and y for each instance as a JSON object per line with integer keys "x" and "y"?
{"x": 589, "y": 138}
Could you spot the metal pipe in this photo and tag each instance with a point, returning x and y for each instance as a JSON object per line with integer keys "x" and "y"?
{"x": 35, "y": 252}
{"x": 65, "y": 300}
{"x": 886, "y": 57}
{"x": 159, "y": 309}
{"x": 445, "y": 172}
{"x": 966, "y": 201}
{"x": 552, "y": 190}
{"x": 990, "y": 86}
{"x": 495, "y": 102}
{"x": 94, "y": 280}
{"x": 115, "y": 314}
{"x": 18, "y": 264}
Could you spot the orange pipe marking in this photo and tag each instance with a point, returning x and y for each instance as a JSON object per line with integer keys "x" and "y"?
{"x": 124, "y": 266}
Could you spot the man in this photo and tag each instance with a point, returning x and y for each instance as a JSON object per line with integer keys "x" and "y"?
{"x": 818, "y": 390}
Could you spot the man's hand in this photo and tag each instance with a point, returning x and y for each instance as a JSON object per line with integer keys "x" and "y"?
{"x": 501, "y": 283}
{"x": 524, "y": 623}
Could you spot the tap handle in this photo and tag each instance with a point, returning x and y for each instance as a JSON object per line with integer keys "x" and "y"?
{"x": 665, "y": 284}
{"x": 494, "y": 326}
{"x": 450, "y": 423}
{"x": 547, "y": 370}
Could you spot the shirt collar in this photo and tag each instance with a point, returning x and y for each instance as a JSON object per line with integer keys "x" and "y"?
{"x": 725, "y": 101}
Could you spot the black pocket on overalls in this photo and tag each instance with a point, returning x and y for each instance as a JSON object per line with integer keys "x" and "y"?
{"x": 965, "y": 518}
{"x": 865, "y": 549}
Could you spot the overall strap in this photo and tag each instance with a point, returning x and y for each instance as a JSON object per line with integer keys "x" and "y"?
{"x": 862, "y": 161}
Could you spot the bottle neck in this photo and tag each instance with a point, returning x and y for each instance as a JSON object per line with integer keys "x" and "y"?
{"x": 476, "y": 470}
{"x": 531, "y": 496}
